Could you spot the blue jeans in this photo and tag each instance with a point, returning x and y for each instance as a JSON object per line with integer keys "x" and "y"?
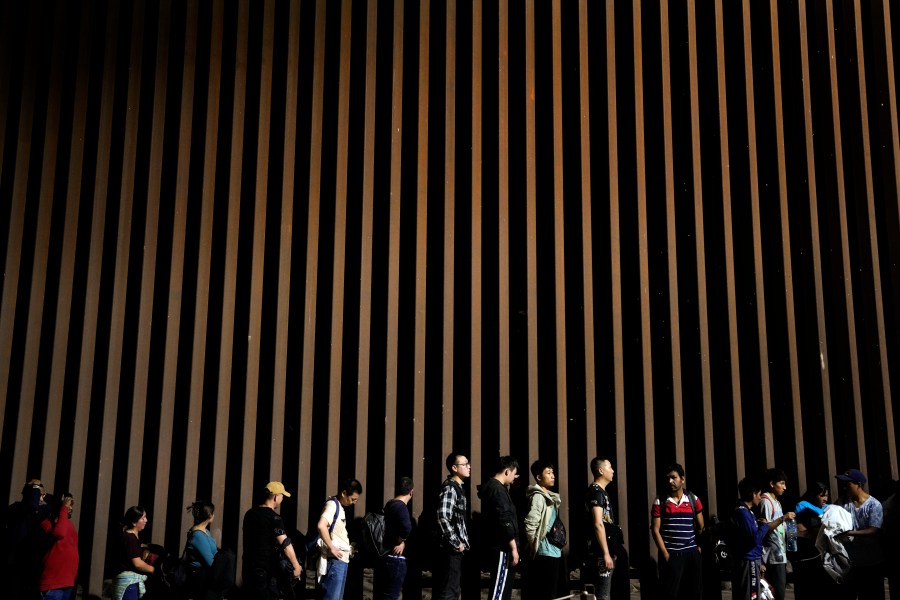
{"x": 389, "y": 576}
{"x": 59, "y": 594}
{"x": 131, "y": 592}
{"x": 332, "y": 584}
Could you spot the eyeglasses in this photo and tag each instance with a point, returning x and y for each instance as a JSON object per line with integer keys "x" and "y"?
{"x": 465, "y": 464}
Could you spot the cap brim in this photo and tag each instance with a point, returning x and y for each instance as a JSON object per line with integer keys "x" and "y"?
{"x": 285, "y": 494}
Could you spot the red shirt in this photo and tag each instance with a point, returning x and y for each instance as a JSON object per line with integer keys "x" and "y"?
{"x": 61, "y": 562}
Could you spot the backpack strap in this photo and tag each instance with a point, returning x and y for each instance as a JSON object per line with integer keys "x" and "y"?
{"x": 337, "y": 510}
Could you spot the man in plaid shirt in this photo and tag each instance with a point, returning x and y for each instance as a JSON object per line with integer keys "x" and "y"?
{"x": 451, "y": 517}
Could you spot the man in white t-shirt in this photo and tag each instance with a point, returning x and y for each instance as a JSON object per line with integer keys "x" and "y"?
{"x": 335, "y": 541}
{"x": 774, "y": 546}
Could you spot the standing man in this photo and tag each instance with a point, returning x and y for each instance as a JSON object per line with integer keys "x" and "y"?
{"x": 542, "y": 575}
{"x": 335, "y": 541}
{"x": 865, "y": 550}
{"x": 264, "y": 539}
{"x": 451, "y": 517}
{"x": 745, "y": 541}
{"x": 774, "y": 551}
{"x": 391, "y": 569}
{"x": 675, "y": 522}
{"x": 60, "y": 564}
{"x": 502, "y": 524}
{"x": 606, "y": 550}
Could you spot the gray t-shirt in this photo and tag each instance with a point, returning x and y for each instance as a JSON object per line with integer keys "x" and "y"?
{"x": 774, "y": 548}
{"x": 865, "y": 550}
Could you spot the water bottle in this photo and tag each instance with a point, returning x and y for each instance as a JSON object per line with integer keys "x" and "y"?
{"x": 790, "y": 534}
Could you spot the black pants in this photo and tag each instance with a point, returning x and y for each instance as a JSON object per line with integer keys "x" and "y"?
{"x": 776, "y": 575}
{"x": 447, "y": 573}
{"x": 681, "y": 576}
{"x": 542, "y": 578}
{"x": 260, "y": 585}
{"x": 745, "y": 579}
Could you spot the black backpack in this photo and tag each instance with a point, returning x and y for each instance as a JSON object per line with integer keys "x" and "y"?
{"x": 373, "y": 533}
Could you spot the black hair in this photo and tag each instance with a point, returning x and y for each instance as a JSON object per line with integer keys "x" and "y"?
{"x": 506, "y": 462}
{"x": 596, "y": 463}
{"x": 538, "y": 466}
{"x": 403, "y": 487}
{"x": 201, "y": 510}
{"x": 773, "y": 476}
{"x": 132, "y": 516}
{"x": 351, "y": 486}
{"x": 746, "y": 488}
{"x": 815, "y": 489}
{"x": 674, "y": 467}
{"x": 451, "y": 460}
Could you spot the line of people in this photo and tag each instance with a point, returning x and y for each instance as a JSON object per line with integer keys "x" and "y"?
{"x": 840, "y": 548}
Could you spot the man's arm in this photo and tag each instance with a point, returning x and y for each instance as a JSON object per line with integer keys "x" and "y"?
{"x": 600, "y": 533}
{"x": 323, "y": 526}
{"x": 533, "y": 521}
{"x": 655, "y": 522}
{"x": 292, "y": 556}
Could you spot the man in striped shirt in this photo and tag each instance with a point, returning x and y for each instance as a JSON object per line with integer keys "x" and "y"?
{"x": 676, "y": 520}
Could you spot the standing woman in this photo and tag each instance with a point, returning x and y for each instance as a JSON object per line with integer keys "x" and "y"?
{"x": 810, "y": 578}
{"x": 201, "y": 551}
{"x": 129, "y": 583}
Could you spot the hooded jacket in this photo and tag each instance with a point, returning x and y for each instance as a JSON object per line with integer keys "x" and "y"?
{"x": 499, "y": 514}
{"x": 537, "y": 522}
{"x": 835, "y": 521}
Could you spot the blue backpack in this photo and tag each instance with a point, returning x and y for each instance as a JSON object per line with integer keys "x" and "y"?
{"x": 310, "y": 548}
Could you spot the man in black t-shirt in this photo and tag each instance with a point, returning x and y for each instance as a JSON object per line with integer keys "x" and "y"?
{"x": 264, "y": 541}
{"x": 606, "y": 552}
{"x": 390, "y": 572}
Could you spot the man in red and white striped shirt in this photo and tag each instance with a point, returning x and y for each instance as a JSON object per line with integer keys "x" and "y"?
{"x": 676, "y": 520}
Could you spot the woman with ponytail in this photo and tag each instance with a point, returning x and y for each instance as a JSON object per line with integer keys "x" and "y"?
{"x": 200, "y": 551}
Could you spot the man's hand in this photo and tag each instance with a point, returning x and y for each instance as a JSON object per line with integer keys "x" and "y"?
{"x": 515, "y": 556}
{"x": 461, "y": 548}
{"x": 666, "y": 556}
{"x": 790, "y": 515}
{"x": 398, "y": 549}
{"x": 297, "y": 570}
{"x": 609, "y": 563}
{"x": 335, "y": 551}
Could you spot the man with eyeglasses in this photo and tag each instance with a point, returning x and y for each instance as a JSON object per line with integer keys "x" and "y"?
{"x": 451, "y": 517}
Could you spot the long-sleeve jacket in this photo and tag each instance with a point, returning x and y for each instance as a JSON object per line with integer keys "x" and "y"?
{"x": 499, "y": 514}
{"x": 835, "y": 558}
{"x": 537, "y": 521}
{"x": 747, "y": 536}
{"x": 451, "y": 515}
{"x": 61, "y": 561}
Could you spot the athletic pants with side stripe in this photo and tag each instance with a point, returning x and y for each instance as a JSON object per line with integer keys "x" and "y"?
{"x": 501, "y": 576}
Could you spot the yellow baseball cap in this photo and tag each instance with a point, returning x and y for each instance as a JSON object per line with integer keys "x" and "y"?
{"x": 276, "y": 487}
